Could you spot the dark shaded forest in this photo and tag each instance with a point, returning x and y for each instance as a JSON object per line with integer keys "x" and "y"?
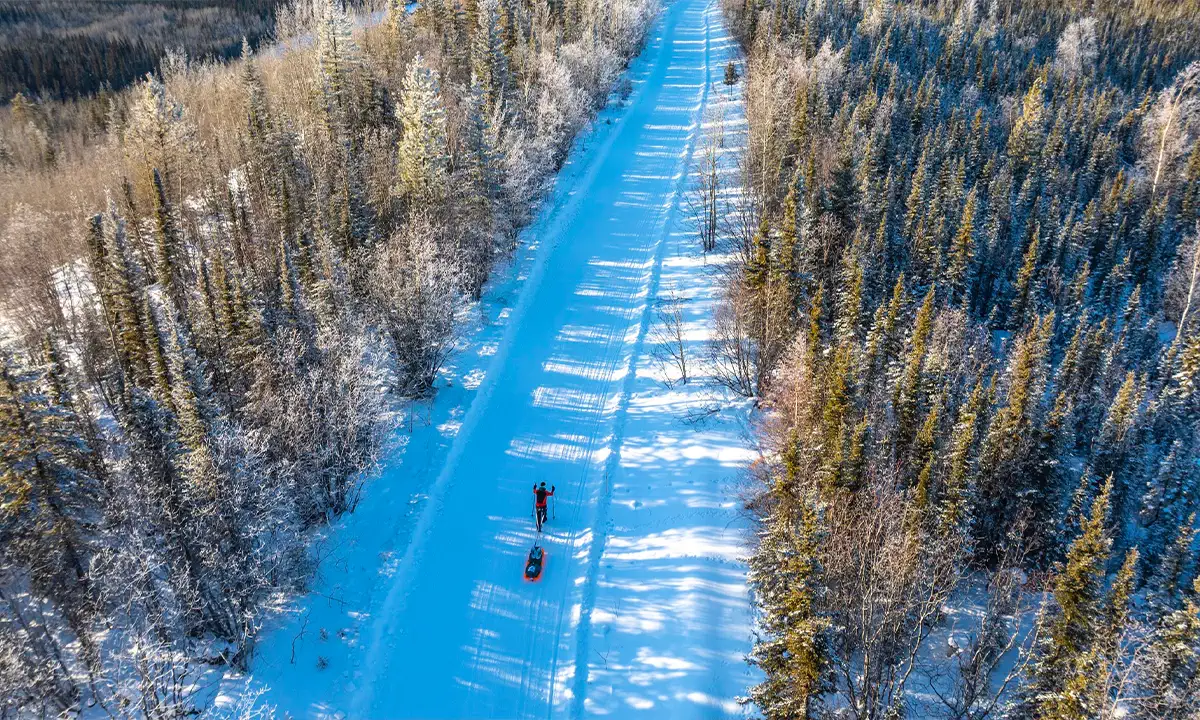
{"x": 965, "y": 288}
{"x": 62, "y": 49}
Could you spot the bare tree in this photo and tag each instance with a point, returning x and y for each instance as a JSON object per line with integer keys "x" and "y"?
{"x": 703, "y": 201}
{"x": 731, "y": 351}
{"x": 670, "y": 338}
{"x": 887, "y": 584}
{"x": 705, "y": 197}
{"x": 968, "y": 682}
{"x": 740, "y": 213}
{"x": 1174, "y": 118}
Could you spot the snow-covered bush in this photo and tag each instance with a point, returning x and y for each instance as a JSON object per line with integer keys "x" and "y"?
{"x": 207, "y": 371}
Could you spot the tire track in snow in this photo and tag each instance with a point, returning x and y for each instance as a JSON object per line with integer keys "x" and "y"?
{"x": 604, "y": 420}
{"x": 584, "y": 629}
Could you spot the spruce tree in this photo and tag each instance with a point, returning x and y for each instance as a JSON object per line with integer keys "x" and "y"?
{"x": 169, "y": 243}
{"x": 731, "y": 75}
{"x": 1065, "y": 664}
{"x": 959, "y": 475}
{"x": 849, "y": 298}
{"x": 1024, "y": 299}
{"x": 1174, "y": 567}
{"x": 1114, "y": 451}
{"x": 758, "y": 264}
{"x": 792, "y": 229}
{"x": 834, "y": 416}
{"x": 422, "y": 171}
{"x": 119, "y": 284}
{"x": 793, "y": 652}
{"x": 962, "y": 253}
{"x": 909, "y": 391}
{"x": 843, "y": 189}
{"x": 46, "y": 487}
{"x": 1007, "y": 457}
{"x": 489, "y": 64}
{"x": 160, "y": 372}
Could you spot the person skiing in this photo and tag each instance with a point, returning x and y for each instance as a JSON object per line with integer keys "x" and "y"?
{"x": 539, "y": 506}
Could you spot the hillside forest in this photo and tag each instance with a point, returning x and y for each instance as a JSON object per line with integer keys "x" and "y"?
{"x": 63, "y": 49}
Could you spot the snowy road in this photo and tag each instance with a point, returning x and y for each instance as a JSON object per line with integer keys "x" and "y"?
{"x": 642, "y": 610}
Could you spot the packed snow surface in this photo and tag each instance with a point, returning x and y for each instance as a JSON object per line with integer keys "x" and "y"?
{"x": 420, "y": 609}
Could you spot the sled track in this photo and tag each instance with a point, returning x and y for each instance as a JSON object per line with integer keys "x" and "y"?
{"x": 669, "y": 218}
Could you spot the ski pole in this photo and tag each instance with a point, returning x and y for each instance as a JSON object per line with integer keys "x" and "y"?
{"x": 553, "y": 508}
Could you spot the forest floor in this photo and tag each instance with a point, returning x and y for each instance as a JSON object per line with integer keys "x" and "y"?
{"x": 420, "y": 609}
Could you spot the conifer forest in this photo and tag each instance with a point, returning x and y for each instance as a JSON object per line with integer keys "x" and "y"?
{"x": 918, "y": 279}
{"x": 965, "y": 283}
{"x": 65, "y": 48}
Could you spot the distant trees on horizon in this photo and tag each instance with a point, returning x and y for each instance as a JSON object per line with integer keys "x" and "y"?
{"x": 59, "y": 49}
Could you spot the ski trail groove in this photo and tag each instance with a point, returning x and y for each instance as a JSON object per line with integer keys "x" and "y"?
{"x": 613, "y": 461}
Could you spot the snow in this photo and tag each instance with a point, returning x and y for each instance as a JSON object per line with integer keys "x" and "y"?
{"x": 420, "y": 608}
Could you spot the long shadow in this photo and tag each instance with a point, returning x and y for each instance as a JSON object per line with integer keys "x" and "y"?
{"x": 671, "y": 623}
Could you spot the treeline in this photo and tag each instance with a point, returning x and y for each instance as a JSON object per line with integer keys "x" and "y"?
{"x": 276, "y": 270}
{"x": 58, "y": 49}
{"x": 965, "y": 278}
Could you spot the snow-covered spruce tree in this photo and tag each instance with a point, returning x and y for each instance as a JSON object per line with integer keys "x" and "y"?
{"x": 480, "y": 216}
{"x": 1013, "y": 481}
{"x": 1175, "y": 567}
{"x": 48, "y": 496}
{"x": 793, "y": 649}
{"x": 168, "y": 263}
{"x": 489, "y": 64}
{"x": 116, "y": 278}
{"x": 1082, "y": 633}
{"x": 421, "y": 171}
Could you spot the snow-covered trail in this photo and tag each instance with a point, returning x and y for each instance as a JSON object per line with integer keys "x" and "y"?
{"x": 642, "y": 608}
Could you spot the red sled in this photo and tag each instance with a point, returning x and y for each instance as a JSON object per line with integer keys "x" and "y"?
{"x": 534, "y": 564}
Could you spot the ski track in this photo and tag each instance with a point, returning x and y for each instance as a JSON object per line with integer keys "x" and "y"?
{"x": 421, "y": 610}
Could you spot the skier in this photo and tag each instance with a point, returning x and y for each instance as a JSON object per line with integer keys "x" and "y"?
{"x": 539, "y": 507}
